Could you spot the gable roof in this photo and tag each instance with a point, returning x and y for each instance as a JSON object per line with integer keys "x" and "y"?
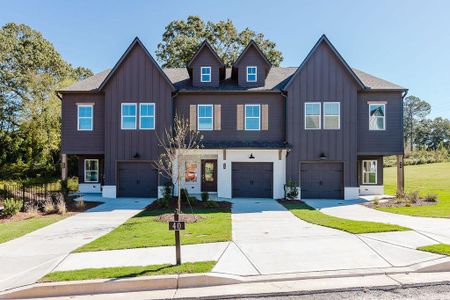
{"x": 135, "y": 42}
{"x": 254, "y": 44}
{"x": 207, "y": 45}
{"x": 90, "y": 84}
{"x": 375, "y": 83}
{"x": 324, "y": 39}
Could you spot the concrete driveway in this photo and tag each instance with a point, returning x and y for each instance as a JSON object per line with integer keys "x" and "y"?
{"x": 26, "y": 259}
{"x": 268, "y": 239}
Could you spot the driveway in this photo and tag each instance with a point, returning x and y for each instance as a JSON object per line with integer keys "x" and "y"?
{"x": 26, "y": 259}
{"x": 268, "y": 239}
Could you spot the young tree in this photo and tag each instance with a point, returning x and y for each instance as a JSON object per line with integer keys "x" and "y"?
{"x": 182, "y": 38}
{"x": 177, "y": 140}
{"x": 414, "y": 110}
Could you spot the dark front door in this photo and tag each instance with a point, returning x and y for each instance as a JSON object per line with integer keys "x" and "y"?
{"x": 252, "y": 180}
{"x": 209, "y": 175}
{"x": 137, "y": 179}
{"x": 321, "y": 180}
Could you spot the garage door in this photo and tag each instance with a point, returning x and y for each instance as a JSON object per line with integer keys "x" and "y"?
{"x": 321, "y": 180}
{"x": 137, "y": 179}
{"x": 252, "y": 180}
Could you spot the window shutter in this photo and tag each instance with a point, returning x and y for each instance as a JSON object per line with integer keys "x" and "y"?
{"x": 265, "y": 117}
{"x": 217, "y": 117}
{"x": 193, "y": 117}
{"x": 240, "y": 117}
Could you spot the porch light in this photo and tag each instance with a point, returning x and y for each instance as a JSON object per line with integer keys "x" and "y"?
{"x": 323, "y": 156}
{"x": 251, "y": 156}
{"x": 136, "y": 155}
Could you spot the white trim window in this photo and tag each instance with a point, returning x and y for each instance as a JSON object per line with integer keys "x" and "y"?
{"x": 91, "y": 170}
{"x": 312, "y": 115}
{"x": 331, "y": 115}
{"x": 369, "y": 172}
{"x": 85, "y": 117}
{"x": 205, "y": 74}
{"x": 205, "y": 117}
{"x": 252, "y": 117}
{"x": 128, "y": 115}
{"x": 377, "y": 116}
{"x": 147, "y": 116}
{"x": 252, "y": 74}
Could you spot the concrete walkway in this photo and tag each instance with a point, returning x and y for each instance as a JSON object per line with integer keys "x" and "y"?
{"x": 26, "y": 259}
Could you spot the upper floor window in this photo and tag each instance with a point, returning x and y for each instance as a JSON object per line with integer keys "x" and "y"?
{"x": 205, "y": 117}
{"x": 85, "y": 117}
{"x": 252, "y": 74}
{"x": 252, "y": 117}
{"x": 331, "y": 115}
{"x": 128, "y": 116}
{"x": 205, "y": 74}
{"x": 147, "y": 115}
{"x": 91, "y": 170}
{"x": 377, "y": 118}
{"x": 312, "y": 115}
{"x": 369, "y": 172}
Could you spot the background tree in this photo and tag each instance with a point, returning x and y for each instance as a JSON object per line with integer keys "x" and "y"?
{"x": 414, "y": 111}
{"x": 181, "y": 40}
{"x": 432, "y": 134}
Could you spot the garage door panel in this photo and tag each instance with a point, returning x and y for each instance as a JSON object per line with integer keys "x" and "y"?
{"x": 321, "y": 180}
{"x": 252, "y": 180}
{"x": 137, "y": 180}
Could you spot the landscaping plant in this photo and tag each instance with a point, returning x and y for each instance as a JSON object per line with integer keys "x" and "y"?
{"x": 11, "y": 207}
{"x": 205, "y": 196}
{"x": 292, "y": 191}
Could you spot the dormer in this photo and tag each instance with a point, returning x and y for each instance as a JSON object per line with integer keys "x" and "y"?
{"x": 206, "y": 69}
{"x": 251, "y": 67}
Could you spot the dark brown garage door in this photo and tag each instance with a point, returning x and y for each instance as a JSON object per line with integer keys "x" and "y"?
{"x": 137, "y": 179}
{"x": 252, "y": 180}
{"x": 321, "y": 180}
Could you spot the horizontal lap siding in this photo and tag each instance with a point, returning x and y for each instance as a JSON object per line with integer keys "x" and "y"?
{"x": 136, "y": 80}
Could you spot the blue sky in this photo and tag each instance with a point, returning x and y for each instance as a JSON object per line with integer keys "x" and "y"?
{"x": 406, "y": 42}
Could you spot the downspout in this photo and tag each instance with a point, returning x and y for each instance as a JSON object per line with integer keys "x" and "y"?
{"x": 284, "y": 95}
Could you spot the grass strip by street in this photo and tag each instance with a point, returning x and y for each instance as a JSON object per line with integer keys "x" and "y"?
{"x": 10, "y": 231}
{"x": 305, "y": 212}
{"x": 123, "y": 272}
{"x": 143, "y": 230}
{"x": 443, "y": 249}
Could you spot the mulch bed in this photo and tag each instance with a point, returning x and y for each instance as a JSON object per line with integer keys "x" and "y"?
{"x": 184, "y": 206}
{"x": 188, "y": 218}
{"x": 391, "y": 203}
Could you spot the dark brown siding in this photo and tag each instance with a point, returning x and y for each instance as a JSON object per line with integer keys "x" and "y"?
{"x": 136, "y": 80}
{"x": 82, "y": 142}
{"x": 385, "y": 142}
{"x": 323, "y": 78}
{"x": 204, "y": 59}
{"x": 229, "y": 104}
{"x": 251, "y": 58}
{"x": 379, "y": 168}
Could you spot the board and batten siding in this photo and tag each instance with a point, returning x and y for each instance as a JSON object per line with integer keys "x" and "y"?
{"x": 136, "y": 80}
{"x": 323, "y": 78}
{"x": 229, "y": 132}
{"x": 82, "y": 142}
{"x": 205, "y": 59}
{"x": 384, "y": 142}
{"x": 251, "y": 58}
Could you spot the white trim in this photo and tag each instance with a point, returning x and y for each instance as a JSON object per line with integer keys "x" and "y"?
{"x": 376, "y": 171}
{"x": 338, "y": 115}
{"x": 384, "y": 117}
{"x": 78, "y": 116}
{"x": 198, "y": 117}
{"x": 351, "y": 193}
{"x": 256, "y": 74}
{"x": 258, "y": 117}
{"x": 109, "y": 191}
{"x": 98, "y": 170}
{"x": 89, "y": 188}
{"x": 149, "y": 116}
{"x": 320, "y": 115}
{"x": 365, "y": 190}
{"x": 121, "y": 115}
{"x": 201, "y": 73}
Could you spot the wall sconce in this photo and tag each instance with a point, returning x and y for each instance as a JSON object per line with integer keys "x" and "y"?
{"x": 136, "y": 155}
{"x": 251, "y": 156}
{"x": 224, "y": 166}
{"x": 323, "y": 156}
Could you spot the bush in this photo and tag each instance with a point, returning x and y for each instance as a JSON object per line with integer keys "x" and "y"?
{"x": 211, "y": 204}
{"x": 292, "y": 191}
{"x": 167, "y": 193}
{"x": 162, "y": 202}
{"x": 192, "y": 200}
{"x": 61, "y": 207}
{"x": 418, "y": 157}
{"x": 11, "y": 207}
{"x": 48, "y": 207}
{"x": 184, "y": 195}
{"x": 431, "y": 198}
{"x": 414, "y": 197}
{"x": 205, "y": 196}
{"x": 376, "y": 201}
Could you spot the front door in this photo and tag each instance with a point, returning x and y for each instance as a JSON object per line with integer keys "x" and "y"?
{"x": 209, "y": 175}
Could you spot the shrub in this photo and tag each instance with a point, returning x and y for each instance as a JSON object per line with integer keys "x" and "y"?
{"x": 61, "y": 207}
{"x": 162, "y": 202}
{"x": 80, "y": 204}
{"x": 376, "y": 201}
{"x": 408, "y": 203}
{"x": 192, "y": 200}
{"x": 205, "y": 196}
{"x": 292, "y": 191}
{"x": 184, "y": 195}
{"x": 211, "y": 204}
{"x": 414, "y": 197}
{"x": 431, "y": 198}
{"x": 48, "y": 207}
{"x": 167, "y": 193}
{"x": 11, "y": 207}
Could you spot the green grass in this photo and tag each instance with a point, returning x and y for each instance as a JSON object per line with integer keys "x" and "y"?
{"x": 443, "y": 249}
{"x": 15, "y": 229}
{"x": 122, "y": 272}
{"x": 426, "y": 179}
{"x": 311, "y": 215}
{"x": 143, "y": 231}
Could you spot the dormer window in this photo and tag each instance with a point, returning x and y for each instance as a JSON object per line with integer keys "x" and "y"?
{"x": 252, "y": 74}
{"x": 205, "y": 74}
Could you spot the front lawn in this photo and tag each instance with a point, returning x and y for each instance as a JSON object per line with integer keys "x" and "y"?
{"x": 143, "y": 230}
{"x": 122, "y": 272}
{"x": 443, "y": 249}
{"x": 305, "y": 212}
{"x": 426, "y": 179}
